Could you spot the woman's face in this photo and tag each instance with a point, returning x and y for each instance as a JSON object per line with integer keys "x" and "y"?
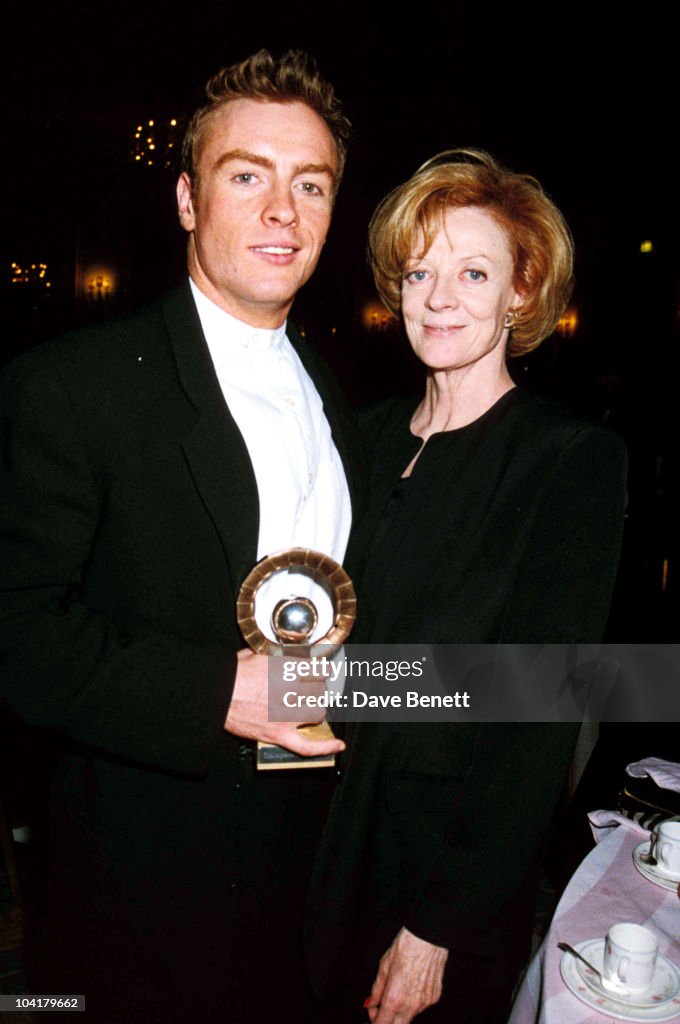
{"x": 455, "y": 298}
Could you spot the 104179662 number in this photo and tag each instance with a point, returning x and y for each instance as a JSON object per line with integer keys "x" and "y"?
{"x": 41, "y": 1002}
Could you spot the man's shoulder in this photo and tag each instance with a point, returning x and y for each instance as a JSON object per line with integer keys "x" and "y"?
{"x": 104, "y": 349}
{"x": 125, "y": 369}
{"x": 95, "y": 340}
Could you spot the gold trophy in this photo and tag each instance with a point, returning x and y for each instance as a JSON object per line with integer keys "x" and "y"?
{"x": 293, "y": 622}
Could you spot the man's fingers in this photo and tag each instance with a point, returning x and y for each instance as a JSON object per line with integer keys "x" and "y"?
{"x": 305, "y": 699}
{"x": 287, "y": 735}
{"x": 250, "y": 709}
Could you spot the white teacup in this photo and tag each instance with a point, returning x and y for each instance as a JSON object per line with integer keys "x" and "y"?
{"x": 630, "y": 952}
{"x": 667, "y": 849}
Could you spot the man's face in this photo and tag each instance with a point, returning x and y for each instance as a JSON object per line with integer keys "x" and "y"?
{"x": 262, "y": 207}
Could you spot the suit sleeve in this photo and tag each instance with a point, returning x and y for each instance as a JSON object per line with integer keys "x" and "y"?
{"x": 561, "y": 595}
{"x": 149, "y": 697}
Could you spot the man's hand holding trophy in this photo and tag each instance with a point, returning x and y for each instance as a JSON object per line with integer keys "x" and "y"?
{"x": 309, "y": 742}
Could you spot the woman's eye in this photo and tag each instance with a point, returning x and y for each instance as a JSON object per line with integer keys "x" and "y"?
{"x": 414, "y": 276}
{"x": 476, "y": 275}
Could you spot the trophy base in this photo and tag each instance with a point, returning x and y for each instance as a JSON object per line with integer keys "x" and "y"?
{"x": 270, "y": 757}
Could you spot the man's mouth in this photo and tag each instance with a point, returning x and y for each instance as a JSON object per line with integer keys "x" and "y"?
{"x": 274, "y": 250}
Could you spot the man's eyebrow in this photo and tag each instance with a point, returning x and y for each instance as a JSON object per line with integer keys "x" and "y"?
{"x": 244, "y": 154}
{"x": 316, "y": 169}
{"x": 263, "y": 161}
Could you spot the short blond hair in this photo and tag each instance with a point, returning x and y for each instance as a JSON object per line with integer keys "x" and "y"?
{"x": 539, "y": 239}
{"x": 293, "y": 77}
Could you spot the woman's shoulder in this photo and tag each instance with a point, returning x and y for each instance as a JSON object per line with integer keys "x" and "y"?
{"x": 553, "y": 422}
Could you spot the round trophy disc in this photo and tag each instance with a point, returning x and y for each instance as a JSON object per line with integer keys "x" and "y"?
{"x": 294, "y": 619}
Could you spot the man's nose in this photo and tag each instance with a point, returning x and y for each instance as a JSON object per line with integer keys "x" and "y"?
{"x": 280, "y": 207}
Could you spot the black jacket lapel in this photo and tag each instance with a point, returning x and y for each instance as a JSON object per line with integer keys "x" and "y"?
{"x": 216, "y": 453}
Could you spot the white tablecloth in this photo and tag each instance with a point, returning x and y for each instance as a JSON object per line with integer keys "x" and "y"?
{"x": 605, "y": 888}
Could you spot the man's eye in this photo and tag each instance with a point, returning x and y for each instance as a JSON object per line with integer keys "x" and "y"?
{"x": 310, "y": 188}
{"x": 245, "y": 178}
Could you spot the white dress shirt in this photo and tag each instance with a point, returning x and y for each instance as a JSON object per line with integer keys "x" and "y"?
{"x": 303, "y": 495}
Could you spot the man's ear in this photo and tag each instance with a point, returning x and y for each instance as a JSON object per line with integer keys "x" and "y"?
{"x": 185, "y": 202}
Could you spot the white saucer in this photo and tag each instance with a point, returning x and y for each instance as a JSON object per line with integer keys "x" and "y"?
{"x": 661, "y": 1003}
{"x": 654, "y": 872}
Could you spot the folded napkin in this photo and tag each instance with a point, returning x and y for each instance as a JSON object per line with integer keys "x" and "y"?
{"x": 666, "y": 774}
{"x": 601, "y": 823}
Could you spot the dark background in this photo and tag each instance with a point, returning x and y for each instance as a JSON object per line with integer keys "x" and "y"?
{"x": 584, "y": 98}
{"x": 581, "y": 95}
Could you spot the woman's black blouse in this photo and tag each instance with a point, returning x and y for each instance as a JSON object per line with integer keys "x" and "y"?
{"x": 508, "y": 529}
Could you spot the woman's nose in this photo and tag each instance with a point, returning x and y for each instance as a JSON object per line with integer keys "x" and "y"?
{"x": 443, "y": 295}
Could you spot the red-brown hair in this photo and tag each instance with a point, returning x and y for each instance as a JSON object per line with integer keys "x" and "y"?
{"x": 540, "y": 241}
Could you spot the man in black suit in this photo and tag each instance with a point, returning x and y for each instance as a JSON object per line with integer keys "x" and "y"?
{"x": 146, "y": 466}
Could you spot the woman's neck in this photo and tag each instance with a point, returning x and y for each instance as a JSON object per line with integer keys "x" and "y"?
{"x": 455, "y": 398}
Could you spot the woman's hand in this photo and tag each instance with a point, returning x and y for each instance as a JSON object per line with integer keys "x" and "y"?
{"x": 409, "y": 980}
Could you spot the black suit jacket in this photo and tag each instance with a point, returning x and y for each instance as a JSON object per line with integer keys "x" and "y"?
{"x": 130, "y": 518}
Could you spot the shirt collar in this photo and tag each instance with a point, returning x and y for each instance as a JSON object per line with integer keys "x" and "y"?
{"x": 225, "y": 334}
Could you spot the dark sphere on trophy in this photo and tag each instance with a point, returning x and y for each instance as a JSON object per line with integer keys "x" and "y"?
{"x": 294, "y": 619}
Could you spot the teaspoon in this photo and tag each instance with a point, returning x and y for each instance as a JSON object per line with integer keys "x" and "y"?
{"x": 648, "y": 857}
{"x": 607, "y": 985}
